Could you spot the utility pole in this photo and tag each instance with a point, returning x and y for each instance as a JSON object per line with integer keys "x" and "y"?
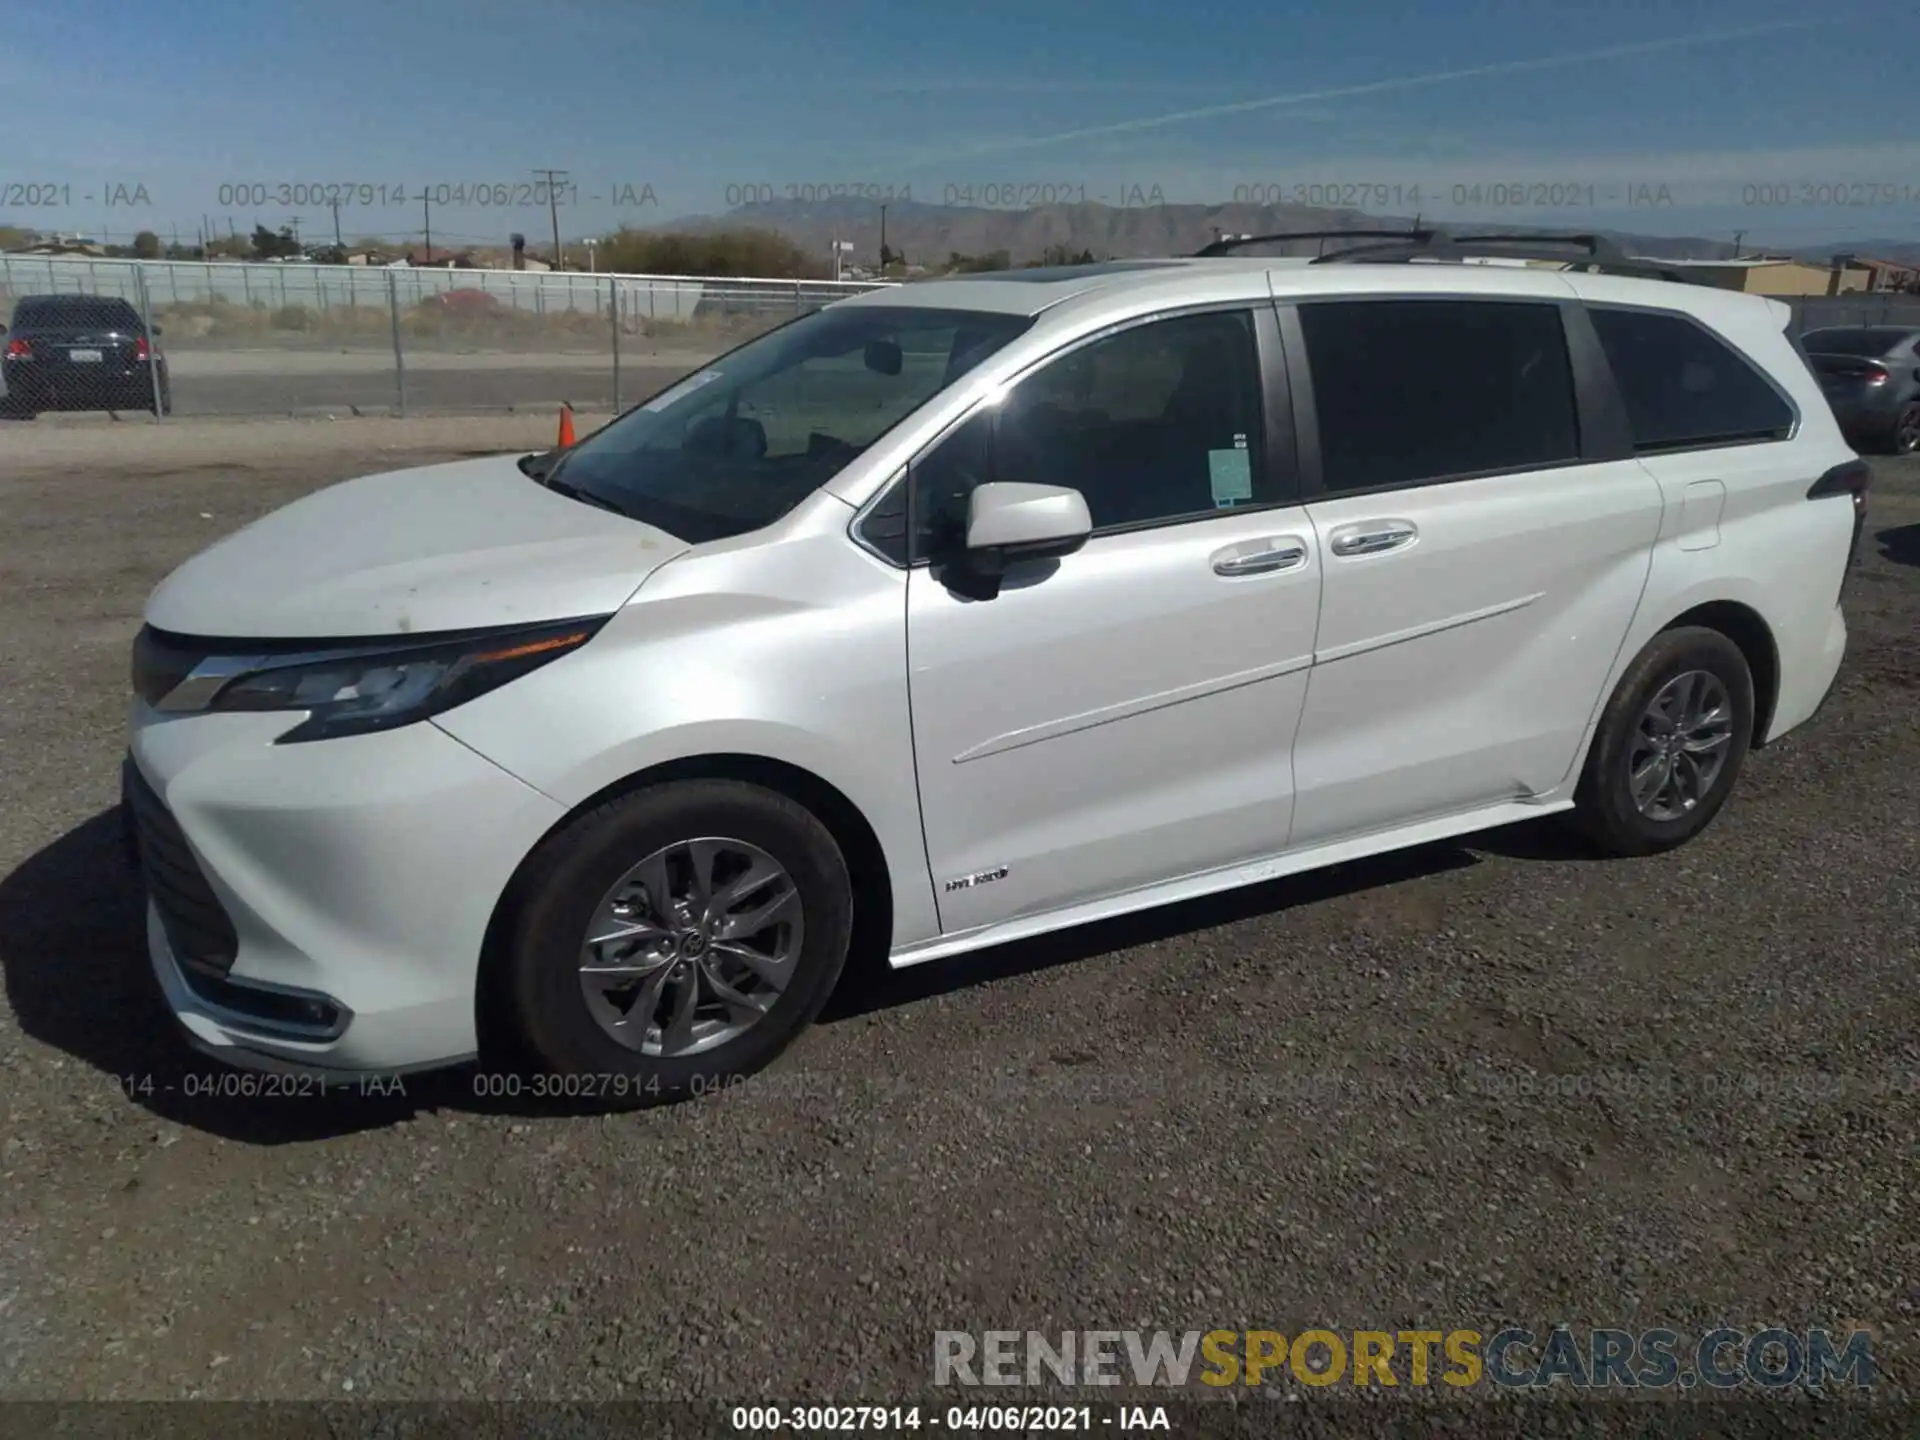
{"x": 338, "y": 243}
{"x": 1738, "y": 236}
{"x": 885, "y": 256}
{"x": 553, "y": 179}
{"x": 295, "y": 223}
{"x": 426, "y": 218}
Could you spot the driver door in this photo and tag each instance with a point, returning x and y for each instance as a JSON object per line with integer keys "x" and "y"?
{"x": 1124, "y": 715}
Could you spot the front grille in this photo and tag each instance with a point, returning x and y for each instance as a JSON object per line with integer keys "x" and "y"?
{"x": 198, "y": 928}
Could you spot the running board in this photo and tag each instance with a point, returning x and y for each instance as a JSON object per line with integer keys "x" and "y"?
{"x": 1232, "y": 877}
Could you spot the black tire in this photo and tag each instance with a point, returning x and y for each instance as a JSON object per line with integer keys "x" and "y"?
{"x": 566, "y": 880}
{"x": 1905, "y": 436}
{"x": 1604, "y": 806}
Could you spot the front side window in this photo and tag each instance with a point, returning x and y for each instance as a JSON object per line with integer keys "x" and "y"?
{"x": 737, "y": 445}
{"x": 1409, "y": 392}
{"x": 1156, "y": 424}
{"x": 1684, "y": 388}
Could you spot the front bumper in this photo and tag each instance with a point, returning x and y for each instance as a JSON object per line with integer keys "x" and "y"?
{"x": 356, "y": 879}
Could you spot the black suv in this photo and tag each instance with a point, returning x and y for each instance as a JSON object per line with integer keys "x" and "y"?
{"x": 81, "y": 352}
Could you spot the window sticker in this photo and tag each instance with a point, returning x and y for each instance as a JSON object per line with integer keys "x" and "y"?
{"x": 1231, "y": 472}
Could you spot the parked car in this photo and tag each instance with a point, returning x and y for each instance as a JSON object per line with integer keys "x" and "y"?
{"x": 82, "y": 352}
{"x": 1870, "y": 375}
{"x": 961, "y": 612}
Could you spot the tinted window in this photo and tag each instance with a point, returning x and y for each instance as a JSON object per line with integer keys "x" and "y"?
{"x": 1410, "y": 391}
{"x": 1156, "y": 423}
{"x": 1683, "y": 387}
{"x": 1160, "y": 422}
{"x": 740, "y": 443}
{"x": 1853, "y": 342}
{"x": 75, "y": 312}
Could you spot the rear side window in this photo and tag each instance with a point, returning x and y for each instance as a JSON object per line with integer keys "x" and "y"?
{"x": 1684, "y": 388}
{"x": 1410, "y": 392}
{"x": 1868, "y": 343}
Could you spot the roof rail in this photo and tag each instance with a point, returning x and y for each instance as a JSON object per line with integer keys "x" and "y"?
{"x": 1230, "y": 243}
{"x": 1594, "y": 253}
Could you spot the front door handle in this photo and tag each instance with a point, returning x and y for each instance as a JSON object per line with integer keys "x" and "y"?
{"x": 1281, "y": 555}
{"x": 1372, "y": 538}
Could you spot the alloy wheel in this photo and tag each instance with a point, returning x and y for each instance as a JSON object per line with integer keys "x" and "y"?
{"x": 1680, "y": 746}
{"x": 692, "y": 947}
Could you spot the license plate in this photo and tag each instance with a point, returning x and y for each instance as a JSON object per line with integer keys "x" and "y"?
{"x": 84, "y": 356}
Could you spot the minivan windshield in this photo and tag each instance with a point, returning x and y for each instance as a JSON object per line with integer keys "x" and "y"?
{"x": 738, "y": 444}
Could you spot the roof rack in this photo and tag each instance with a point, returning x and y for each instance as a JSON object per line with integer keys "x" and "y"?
{"x": 1230, "y": 243}
{"x": 1595, "y": 253}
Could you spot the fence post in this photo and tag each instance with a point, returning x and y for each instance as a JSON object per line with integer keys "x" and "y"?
{"x": 613, "y": 314}
{"x": 399, "y": 357}
{"x": 153, "y": 343}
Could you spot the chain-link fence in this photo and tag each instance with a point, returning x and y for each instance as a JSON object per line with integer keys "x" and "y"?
{"x": 192, "y": 338}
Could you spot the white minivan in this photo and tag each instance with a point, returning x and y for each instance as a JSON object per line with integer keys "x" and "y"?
{"x": 961, "y": 611}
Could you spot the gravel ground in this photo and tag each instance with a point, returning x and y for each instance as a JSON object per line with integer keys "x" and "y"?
{"x": 1304, "y": 1105}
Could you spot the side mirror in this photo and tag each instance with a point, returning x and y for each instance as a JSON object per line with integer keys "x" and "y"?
{"x": 1009, "y": 522}
{"x": 884, "y": 357}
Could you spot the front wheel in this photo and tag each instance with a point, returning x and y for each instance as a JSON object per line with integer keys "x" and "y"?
{"x": 1669, "y": 745}
{"x": 677, "y": 939}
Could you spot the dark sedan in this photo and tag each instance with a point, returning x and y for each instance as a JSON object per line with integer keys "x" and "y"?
{"x": 1871, "y": 376}
{"x": 81, "y": 352}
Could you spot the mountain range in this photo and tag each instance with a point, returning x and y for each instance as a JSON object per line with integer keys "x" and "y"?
{"x": 929, "y": 234}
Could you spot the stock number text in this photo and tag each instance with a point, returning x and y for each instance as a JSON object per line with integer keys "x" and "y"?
{"x": 1333, "y": 195}
{"x": 1844, "y": 194}
{"x": 762, "y": 193}
{"x": 498, "y": 194}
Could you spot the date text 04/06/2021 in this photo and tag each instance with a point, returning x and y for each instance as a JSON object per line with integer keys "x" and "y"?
{"x": 256, "y": 1085}
{"x": 1015, "y": 1419}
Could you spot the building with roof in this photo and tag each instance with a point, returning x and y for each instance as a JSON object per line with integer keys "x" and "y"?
{"x": 1772, "y": 275}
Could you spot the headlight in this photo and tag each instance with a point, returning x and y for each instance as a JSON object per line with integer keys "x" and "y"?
{"x": 356, "y": 688}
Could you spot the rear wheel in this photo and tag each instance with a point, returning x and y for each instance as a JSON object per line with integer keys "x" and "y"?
{"x": 677, "y": 938}
{"x": 1906, "y": 431}
{"x": 1670, "y": 744}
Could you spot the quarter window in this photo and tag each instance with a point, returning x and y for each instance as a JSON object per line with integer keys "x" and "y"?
{"x": 1409, "y": 392}
{"x": 1685, "y": 389}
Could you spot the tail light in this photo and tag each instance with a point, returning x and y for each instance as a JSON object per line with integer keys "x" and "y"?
{"x": 140, "y": 351}
{"x": 1850, "y": 479}
{"x": 1877, "y": 375}
{"x": 19, "y": 350}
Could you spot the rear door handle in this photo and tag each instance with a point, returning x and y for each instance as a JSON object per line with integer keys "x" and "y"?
{"x": 1286, "y": 553}
{"x": 1372, "y": 537}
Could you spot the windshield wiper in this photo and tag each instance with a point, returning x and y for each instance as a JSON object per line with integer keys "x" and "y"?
{"x": 545, "y": 468}
{"x": 574, "y": 492}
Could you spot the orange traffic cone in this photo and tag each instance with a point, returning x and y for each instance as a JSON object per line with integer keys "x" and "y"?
{"x": 566, "y": 426}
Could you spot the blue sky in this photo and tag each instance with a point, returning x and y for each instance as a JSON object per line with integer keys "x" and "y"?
{"x": 1193, "y": 99}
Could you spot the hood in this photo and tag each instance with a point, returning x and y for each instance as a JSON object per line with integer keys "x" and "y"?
{"x": 459, "y": 546}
